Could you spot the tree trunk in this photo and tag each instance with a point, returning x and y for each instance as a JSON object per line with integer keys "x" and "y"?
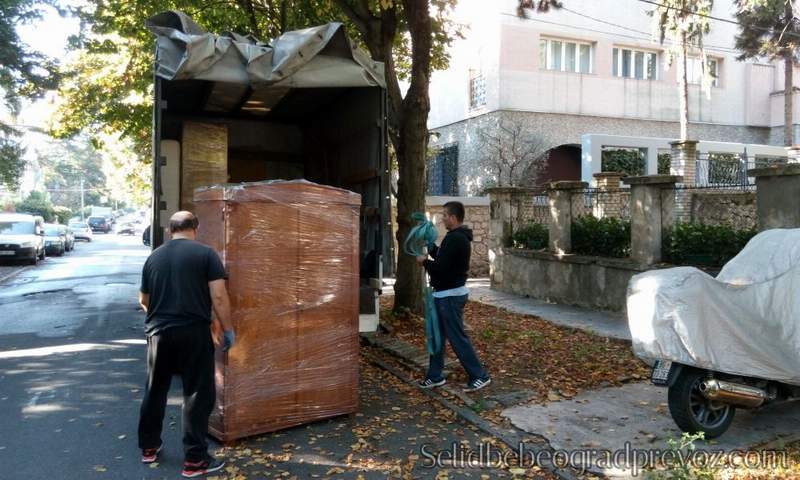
{"x": 788, "y": 97}
{"x": 412, "y": 151}
{"x": 683, "y": 85}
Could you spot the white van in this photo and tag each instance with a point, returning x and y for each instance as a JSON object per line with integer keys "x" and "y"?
{"x": 21, "y": 237}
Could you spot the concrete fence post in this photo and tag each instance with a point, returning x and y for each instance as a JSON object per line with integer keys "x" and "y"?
{"x": 683, "y": 160}
{"x": 652, "y": 210}
{"x": 501, "y": 227}
{"x": 560, "y": 194}
{"x": 777, "y": 196}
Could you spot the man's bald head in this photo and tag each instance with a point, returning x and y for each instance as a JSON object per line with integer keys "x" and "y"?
{"x": 183, "y": 221}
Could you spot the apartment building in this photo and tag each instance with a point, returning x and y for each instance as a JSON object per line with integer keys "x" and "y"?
{"x": 591, "y": 67}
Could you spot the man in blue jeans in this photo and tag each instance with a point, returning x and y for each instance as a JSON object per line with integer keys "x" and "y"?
{"x": 448, "y": 274}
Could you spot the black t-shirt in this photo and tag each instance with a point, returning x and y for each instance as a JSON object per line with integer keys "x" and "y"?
{"x": 176, "y": 276}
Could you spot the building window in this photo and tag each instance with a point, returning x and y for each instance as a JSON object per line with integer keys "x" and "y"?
{"x": 477, "y": 89}
{"x": 694, "y": 70}
{"x": 566, "y": 56}
{"x": 639, "y": 64}
{"x": 443, "y": 172}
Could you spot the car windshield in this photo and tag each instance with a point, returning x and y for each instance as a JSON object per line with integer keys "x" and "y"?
{"x": 77, "y": 225}
{"x": 51, "y": 230}
{"x": 16, "y": 228}
{"x": 97, "y": 220}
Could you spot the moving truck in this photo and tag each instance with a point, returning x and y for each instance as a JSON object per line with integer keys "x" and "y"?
{"x": 308, "y": 105}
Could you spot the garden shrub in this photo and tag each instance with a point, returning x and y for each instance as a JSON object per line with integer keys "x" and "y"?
{"x": 699, "y": 244}
{"x": 630, "y": 162}
{"x": 602, "y": 237}
{"x": 533, "y": 236}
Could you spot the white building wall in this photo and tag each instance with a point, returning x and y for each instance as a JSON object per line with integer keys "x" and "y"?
{"x": 479, "y": 50}
{"x": 506, "y": 48}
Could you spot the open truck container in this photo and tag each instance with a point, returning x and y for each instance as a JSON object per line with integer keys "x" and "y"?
{"x": 309, "y": 104}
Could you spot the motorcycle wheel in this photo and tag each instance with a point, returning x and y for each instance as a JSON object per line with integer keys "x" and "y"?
{"x": 693, "y": 412}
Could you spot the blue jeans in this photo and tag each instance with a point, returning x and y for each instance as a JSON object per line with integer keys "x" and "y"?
{"x": 451, "y": 323}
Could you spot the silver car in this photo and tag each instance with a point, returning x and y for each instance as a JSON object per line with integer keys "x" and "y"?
{"x": 81, "y": 230}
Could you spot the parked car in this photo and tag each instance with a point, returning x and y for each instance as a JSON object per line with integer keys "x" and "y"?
{"x": 21, "y": 237}
{"x": 55, "y": 240}
{"x": 126, "y": 229}
{"x": 81, "y": 230}
{"x": 99, "y": 224}
{"x": 70, "y": 245}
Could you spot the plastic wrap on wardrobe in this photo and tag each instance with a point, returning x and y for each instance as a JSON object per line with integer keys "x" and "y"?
{"x": 290, "y": 249}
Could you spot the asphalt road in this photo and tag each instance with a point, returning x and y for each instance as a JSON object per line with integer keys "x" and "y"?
{"x": 72, "y": 372}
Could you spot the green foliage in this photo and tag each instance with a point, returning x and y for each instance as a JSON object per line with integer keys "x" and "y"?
{"x": 65, "y": 164}
{"x": 767, "y": 28}
{"x": 533, "y": 236}
{"x": 684, "y": 470}
{"x": 37, "y": 204}
{"x": 664, "y": 163}
{"x": 62, "y": 214}
{"x": 11, "y": 162}
{"x": 711, "y": 245}
{"x": 631, "y": 162}
{"x": 602, "y": 237}
{"x": 110, "y": 84}
{"x": 23, "y": 74}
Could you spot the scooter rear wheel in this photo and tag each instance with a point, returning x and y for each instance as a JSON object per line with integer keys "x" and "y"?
{"x": 693, "y": 412}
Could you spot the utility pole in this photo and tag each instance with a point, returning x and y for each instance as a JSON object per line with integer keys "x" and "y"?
{"x": 82, "y": 219}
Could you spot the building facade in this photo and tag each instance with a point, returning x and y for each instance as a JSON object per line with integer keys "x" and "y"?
{"x": 591, "y": 67}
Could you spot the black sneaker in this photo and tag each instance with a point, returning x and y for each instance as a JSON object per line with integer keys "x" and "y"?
{"x": 428, "y": 383}
{"x": 202, "y": 467}
{"x": 477, "y": 384}
{"x": 150, "y": 455}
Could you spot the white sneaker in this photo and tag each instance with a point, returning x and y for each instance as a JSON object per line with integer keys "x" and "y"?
{"x": 477, "y": 384}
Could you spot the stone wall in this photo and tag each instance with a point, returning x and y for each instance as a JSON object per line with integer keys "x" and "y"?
{"x": 562, "y": 129}
{"x": 476, "y": 217}
{"x": 590, "y": 282}
{"x": 737, "y": 210}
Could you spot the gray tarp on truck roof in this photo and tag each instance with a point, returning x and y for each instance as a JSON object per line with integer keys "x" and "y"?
{"x": 321, "y": 56}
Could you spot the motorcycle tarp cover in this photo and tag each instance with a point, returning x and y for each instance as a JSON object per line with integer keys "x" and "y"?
{"x": 746, "y": 321}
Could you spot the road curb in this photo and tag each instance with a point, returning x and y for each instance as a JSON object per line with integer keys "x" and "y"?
{"x": 511, "y": 438}
{"x": 13, "y": 274}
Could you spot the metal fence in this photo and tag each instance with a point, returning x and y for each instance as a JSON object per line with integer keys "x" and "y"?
{"x": 604, "y": 203}
{"x": 729, "y": 169}
{"x": 537, "y": 209}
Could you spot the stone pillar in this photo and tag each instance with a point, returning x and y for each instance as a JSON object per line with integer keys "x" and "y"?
{"x": 652, "y": 209}
{"x": 608, "y": 180}
{"x": 683, "y": 161}
{"x": 560, "y": 194}
{"x": 501, "y": 227}
{"x": 793, "y": 154}
{"x": 777, "y": 196}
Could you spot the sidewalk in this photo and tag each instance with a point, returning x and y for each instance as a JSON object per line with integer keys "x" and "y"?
{"x": 605, "y": 324}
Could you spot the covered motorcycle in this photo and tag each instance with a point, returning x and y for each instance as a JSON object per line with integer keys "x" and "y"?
{"x": 722, "y": 342}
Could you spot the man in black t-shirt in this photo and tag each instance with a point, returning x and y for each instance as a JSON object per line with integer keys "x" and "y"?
{"x": 182, "y": 281}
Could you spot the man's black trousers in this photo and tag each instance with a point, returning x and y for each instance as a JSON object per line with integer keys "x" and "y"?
{"x": 187, "y": 351}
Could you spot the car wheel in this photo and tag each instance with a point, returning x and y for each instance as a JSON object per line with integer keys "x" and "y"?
{"x": 34, "y": 261}
{"x": 693, "y": 412}
{"x": 43, "y": 255}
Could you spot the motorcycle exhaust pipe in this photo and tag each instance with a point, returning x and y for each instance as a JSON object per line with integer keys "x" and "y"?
{"x": 733, "y": 393}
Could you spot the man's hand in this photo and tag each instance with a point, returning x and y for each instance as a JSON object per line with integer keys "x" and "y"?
{"x": 421, "y": 259}
{"x": 229, "y": 338}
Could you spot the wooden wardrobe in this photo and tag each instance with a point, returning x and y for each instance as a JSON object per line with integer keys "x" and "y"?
{"x": 290, "y": 249}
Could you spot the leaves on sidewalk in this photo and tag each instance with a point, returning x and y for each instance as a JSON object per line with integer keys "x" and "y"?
{"x": 527, "y": 353}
